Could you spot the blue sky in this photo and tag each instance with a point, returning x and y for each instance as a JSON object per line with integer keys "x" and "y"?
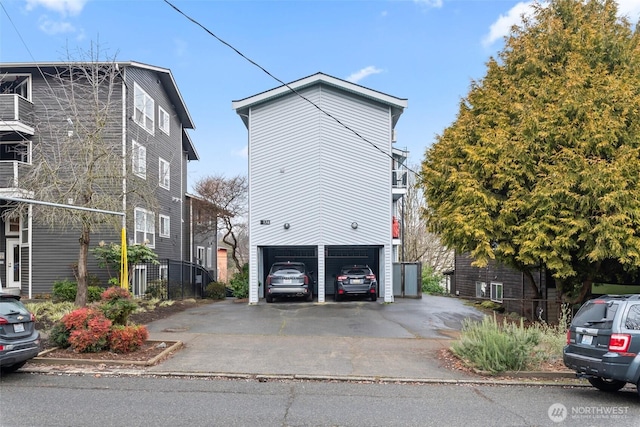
{"x": 427, "y": 51}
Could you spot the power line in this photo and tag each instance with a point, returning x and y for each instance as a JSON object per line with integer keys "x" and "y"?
{"x": 285, "y": 84}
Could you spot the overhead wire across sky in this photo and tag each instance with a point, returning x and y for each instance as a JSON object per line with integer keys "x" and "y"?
{"x": 194, "y": 21}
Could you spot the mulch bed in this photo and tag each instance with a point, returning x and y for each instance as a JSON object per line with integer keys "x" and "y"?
{"x": 146, "y": 352}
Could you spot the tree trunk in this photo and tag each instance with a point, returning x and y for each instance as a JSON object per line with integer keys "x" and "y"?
{"x": 81, "y": 295}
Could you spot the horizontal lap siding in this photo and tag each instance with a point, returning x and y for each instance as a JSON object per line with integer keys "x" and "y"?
{"x": 284, "y": 174}
{"x": 159, "y": 145}
{"x": 356, "y": 176}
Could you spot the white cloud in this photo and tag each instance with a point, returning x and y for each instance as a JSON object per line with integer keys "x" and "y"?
{"x": 429, "y": 3}
{"x": 51, "y": 27}
{"x": 64, "y": 7}
{"x": 500, "y": 28}
{"x": 365, "y": 72}
{"x": 503, "y": 25}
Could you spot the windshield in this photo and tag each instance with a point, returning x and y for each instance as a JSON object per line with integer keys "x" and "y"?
{"x": 291, "y": 268}
{"x": 12, "y": 306}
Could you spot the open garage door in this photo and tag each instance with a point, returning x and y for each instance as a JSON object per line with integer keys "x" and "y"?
{"x": 306, "y": 254}
{"x": 338, "y": 256}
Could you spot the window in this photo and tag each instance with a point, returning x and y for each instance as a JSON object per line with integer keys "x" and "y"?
{"x": 143, "y": 109}
{"x": 15, "y": 151}
{"x": 481, "y": 290}
{"x": 165, "y": 226}
{"x": 139, "y": 159}
{"x": 209, "y": 257}
{"x": 496, "y": 292}
{"x": 164, "y": 176}
{"x": 145, "y": 227}
{"x": 633, "y": 318}
{"x": 200, "y": 255}
{"x": 12, "y": 226}
{"x": 18, "y": 84}
{"x": 24, "y": 229}
{"x": 164, "y": 272}
{"x": 163, "y": 120}
{"x": 139, "y": 280}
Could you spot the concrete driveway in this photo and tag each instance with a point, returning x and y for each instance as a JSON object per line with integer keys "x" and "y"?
{"x": 345, "y": 339}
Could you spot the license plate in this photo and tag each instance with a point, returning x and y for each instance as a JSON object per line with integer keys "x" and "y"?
{"x": 587, "y": 339}
{"x": 356, "y": 281}
{"x": 286, "y": 281}
{"x": 18, "y": 327}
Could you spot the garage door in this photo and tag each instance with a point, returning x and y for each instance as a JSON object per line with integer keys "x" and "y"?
{"x": 338, "y": 256}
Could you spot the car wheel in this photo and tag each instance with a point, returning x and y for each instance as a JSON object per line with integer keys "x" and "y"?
{"x": 374, "y": 297}
{"x": 13, "y": 368}
{"x": 606, "y": 384}
{"x": 269, "y": 298}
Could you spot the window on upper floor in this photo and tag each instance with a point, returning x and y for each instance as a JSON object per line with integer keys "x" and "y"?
{"x": 18, "y": 84}
{"x": 143, "y": 109}
{"x": 163, "y": 120}
{"x": 164, "y": 176}
{"x": 145, "y": 227}
{"x": 15, "y": 151}
{"x": 139, "y": 159}
{"x": 165, "y": 226}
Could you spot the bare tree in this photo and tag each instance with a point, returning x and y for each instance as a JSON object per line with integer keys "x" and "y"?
{"x": 419, "y": 244}
{"x": 226, "y": 199}
{"x": 78, "y": 157}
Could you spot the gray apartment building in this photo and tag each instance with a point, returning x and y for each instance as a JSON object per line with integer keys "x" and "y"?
{"x": 149, "y": 125}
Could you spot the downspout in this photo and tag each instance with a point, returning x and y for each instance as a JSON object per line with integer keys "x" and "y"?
{"x": 30, "y": 250}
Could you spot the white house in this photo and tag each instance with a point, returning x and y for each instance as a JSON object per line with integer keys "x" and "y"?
{"x": 324, "y": 180}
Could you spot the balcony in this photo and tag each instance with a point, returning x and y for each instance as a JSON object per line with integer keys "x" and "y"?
{"x": 10, "y": 173}
{"x": 16, "y": 114}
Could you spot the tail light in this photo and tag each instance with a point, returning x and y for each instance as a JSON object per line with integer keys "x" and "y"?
{"x": 568, "y": 336}
{"x": 342, "y": 278}
{"x": 619, "y": 343}
{"x": 3, "y": 321}
{"x": 306, "y": 279}
{"x": 371, "y": 276}
{"x": 268, "y": 280}
{"x": 33, "y": 318}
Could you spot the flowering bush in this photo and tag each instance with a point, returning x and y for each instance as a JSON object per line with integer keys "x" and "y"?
{"x": 115, "y": 293}
{"x": 125, "y": 339}
{"x": 88, "y": 329}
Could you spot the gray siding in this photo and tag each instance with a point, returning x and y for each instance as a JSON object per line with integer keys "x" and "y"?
{"x": 159, "y": 145}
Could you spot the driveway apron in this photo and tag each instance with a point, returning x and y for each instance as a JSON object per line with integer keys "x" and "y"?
{"x": 345, "y": 339}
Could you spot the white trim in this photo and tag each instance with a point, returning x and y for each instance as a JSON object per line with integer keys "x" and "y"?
{"x": 164, "y": 176}
{"x": 145, "y": 116}
{"x": 495, "y": 295}
{"x": 148, "y": 229}
{"x": 164, "y": 120}
{"x": 139, "y": 159}
{"x": 162, "y": 232}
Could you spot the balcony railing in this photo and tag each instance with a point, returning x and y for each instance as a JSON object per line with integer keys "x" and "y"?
{"x": 10, "y": 173}
{"x": 16, "y": 114}
{"x": 399, "y": 178}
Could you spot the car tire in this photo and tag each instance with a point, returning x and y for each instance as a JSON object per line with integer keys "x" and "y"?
{"x": 374, "y": 297}
{"x": 605, "y": 384}
{"x": 269, "y": 298}
{"x": 12, "y": 368}
{"x": 336, "y": 297}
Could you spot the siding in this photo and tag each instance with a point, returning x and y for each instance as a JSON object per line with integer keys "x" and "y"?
{"x": 309, "y": 171}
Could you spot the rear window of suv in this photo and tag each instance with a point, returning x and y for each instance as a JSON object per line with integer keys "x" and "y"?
{"x": 598, "y": 315}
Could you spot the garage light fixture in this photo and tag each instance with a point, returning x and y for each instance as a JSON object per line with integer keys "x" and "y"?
{"x": 286, "y": 225}
{"x": 354, "y": 225}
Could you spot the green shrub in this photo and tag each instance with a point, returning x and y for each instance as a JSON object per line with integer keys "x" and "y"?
{"x": 216, "y": 290}
{"x": 59, "y": 335}
{"x": 431, "y": 282}
{"x": 49, "y": 309}
{"x": 239, "y": 283}
{"x": 156, "y": 289}
{"x": 117, "y": 305}
{"x": 66, "y": 290}
{"x": 495, "y": 348}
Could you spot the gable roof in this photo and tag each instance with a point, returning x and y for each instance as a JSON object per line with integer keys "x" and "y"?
{"x": 242, "y": 106}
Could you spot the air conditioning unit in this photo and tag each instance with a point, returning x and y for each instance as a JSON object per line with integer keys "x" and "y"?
{"x": 393, "y": 135}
